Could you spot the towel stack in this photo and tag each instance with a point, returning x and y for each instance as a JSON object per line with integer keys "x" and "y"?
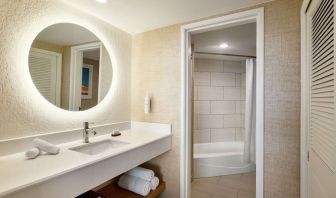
{"x": 41, "y": 145}
{"x": 139, "y": 180}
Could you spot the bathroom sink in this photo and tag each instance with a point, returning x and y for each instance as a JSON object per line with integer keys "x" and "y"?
{"x": 98, "y": 147}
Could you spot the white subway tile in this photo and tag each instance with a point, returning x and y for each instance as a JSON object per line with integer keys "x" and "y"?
{"x": 223, "y": 135}
{"x": 243, "y": 93}
{"x": 223, "y": 79}
{"x": 238, "y": 80}
{"x": 201, "y": 78}
{"x": 201, "y": 136}
{"x": 210, "y": 93}
{"x": 195, "y": 65}
{"x": 242, "y": 103}
{"x": 208, "y": 65}
{"x": 233, "y": 120}
{"x": 242, "y": 121}
{"x": 195, "y": 93}
{"x": 243, "y": 67}
{"x": 240, "y": 134}
{"x": 209, "y": 121}
{"x": 201, "y": 107}
{"x": 232, "y": 93}
{"x": 232, "y": 66}
{"x": 223, "y": 107}
{"x": 243, "y": 80}
{"x": 195, "y": 121}
{"x": 238, "y": 107}
{"x": 242, "y": 131}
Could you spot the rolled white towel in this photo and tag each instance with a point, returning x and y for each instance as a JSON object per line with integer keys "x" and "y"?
{"x": 142, "y": 173}
{"x": 32, "y": 153}
{"x": 46, "y": 146}
{"x": 154, "y": 183}
{"x": 135, "y": 184}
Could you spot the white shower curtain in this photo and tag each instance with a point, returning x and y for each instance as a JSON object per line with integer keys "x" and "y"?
{"x": 249, "y": 142}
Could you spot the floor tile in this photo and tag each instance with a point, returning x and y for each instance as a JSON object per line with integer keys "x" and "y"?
{"x": 228, "y": 186}
{"x": 217, "y": 196}
{"x": 230, "y": 178}
{"x": 199, "y": 194}
{"x": 243, "y": 194}
{"x": 215, "y": 189}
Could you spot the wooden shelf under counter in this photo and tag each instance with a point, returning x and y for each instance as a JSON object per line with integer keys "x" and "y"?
{"x": 114, "y": 191}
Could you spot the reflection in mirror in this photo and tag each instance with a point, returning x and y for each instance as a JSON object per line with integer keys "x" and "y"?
{"x": 70, "y": 67}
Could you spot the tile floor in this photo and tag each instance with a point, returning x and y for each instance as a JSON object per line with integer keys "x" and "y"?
{"x": 229, "y": 186}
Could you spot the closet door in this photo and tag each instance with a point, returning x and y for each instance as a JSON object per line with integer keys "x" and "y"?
{"x": 321, "y": 62}
{"x": 44, "y": 68}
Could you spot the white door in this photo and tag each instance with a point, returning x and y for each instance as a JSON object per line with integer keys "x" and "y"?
{"x": 321, "y": 128}
{"x": 45, "y": 69}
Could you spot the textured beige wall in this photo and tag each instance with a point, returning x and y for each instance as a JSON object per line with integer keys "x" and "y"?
{"x": 27, "y": 112}
{"x": 156, "y": 68}
{"x": 282, "y": 99}
{"x": 106, "y": 73}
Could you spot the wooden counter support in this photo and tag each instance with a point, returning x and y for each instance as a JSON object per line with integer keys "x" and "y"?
{"x": 114, "y": 191}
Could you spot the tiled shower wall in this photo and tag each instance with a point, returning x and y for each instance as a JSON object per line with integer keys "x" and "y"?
{"x": 219, "y": 100}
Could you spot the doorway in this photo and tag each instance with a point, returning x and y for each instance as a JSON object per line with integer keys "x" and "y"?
{"x": 188, "y": 57}
{"x": 85, "y": 72}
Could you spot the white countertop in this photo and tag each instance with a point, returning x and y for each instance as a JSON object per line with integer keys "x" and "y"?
{"x": 17, "y": 173}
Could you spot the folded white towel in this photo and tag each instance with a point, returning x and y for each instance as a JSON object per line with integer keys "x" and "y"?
{"x": 154, "y": 183}
{"x": 32, "y": 153}
{"x": 135, "y": 184}
{"x": 46, "y": 146}
{"x": 142, "y": 173}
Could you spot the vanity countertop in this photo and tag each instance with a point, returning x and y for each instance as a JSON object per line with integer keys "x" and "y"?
{"x": 18, "y": 173}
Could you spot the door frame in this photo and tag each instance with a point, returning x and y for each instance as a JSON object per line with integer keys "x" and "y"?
{"x": 256, "y": 15}
{"x": 75, "y": 72}
{"x": 304, "y": 106}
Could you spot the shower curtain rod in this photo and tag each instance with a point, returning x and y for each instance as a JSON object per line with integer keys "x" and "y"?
{"x": 237, "y": 55}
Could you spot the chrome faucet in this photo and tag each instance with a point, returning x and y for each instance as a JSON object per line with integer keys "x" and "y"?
{"x": 86, "y": 132}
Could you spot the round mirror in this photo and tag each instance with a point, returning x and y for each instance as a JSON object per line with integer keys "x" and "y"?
{"x": 70, "y": 67}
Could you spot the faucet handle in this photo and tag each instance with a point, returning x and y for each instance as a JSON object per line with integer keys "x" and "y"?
{"x": 92, "y": 131}
{"x": 86, "y": 124}
{"x": 115, "y": 133}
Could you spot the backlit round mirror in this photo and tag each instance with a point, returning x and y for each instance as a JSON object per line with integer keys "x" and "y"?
{"x": 70, "y": 67}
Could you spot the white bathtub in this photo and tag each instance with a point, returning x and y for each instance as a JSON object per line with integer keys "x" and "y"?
{"x": 220, "y": 158}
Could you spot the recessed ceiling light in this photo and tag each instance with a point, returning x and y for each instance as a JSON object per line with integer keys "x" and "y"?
{"x": 101, "y": 1}
{"x": 224, "y": 45}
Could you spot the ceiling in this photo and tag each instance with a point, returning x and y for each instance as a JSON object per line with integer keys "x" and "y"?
{"x": 135, "y": 16}
{"x": 241, "y": 40}
{"x": 92, "y": 54}
{"x": 66, "y": 34}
